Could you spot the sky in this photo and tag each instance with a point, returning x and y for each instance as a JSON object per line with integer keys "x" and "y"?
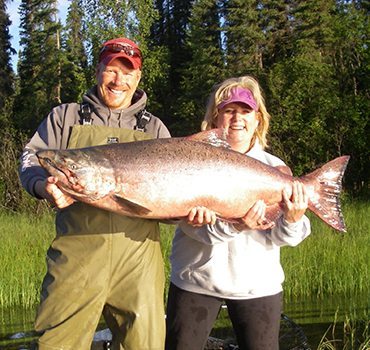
{"x": 12, "y": 10}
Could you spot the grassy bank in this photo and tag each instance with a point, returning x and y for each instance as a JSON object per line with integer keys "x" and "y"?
{"x": 24, "y": 241}
{"x": 326, "y": 263}
{"x": 329, "y": 262}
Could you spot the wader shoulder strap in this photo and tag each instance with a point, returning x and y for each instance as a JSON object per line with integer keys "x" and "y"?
{"x": 142, "y": 119}
{"x": 85, "y": 113}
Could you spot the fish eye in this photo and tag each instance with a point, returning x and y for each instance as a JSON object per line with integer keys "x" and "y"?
{"x": 73, "y": 166}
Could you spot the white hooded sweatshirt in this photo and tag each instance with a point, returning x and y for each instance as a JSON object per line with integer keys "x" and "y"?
{"x": 221, "y": 261}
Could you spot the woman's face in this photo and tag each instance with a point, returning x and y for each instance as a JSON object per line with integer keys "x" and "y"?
{"x": 240, "y": 122}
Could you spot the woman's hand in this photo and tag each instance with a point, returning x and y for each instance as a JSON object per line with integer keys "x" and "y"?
{"x": 255, "y": 218}
{"x": 200, "y": 216}
{"x": 294, "y": 206}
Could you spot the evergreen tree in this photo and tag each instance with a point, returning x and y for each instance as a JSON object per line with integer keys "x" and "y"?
{"x": 244, "y": 39}
{"x": 302, "y": 89}
{"x": 179, "y": 54}
{"x": 6, "y": 72}
{"x": 276, "y": 24}
{"x": 205, "y": 68}
{"x": 104, "y": 20}
{"x": 169, "y": 32}
{"x": 39, "y": 63}
{"x": 135, "y": 21}
{"x": 350, "y": 58}
{"x": 74, "y": 67}
{"x": 155, "y": 56}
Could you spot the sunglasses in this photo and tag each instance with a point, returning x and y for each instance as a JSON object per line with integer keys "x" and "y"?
{"x": 126, "y": 48}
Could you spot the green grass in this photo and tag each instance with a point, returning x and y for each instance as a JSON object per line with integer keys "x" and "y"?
{"x": 326, "y": 263}
{"x": 329, "y": 262}
{"x": 346, "y": 335}
{"x": 24, "y": 241}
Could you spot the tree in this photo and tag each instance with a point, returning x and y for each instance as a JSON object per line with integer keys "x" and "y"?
{"x": 302, "y": 90}
{"x": 244, "y": 39}
{"x": 350, "y": 59}
{"x": 39, "y": 63}
{"x": 169, "y": 33}
{"x": 205, "y": 68}
{"x": 134, "y": 20}
{"x": 6, "y": 71}
{"x": 276, "y": 24}
{"x": 74, "y": 67}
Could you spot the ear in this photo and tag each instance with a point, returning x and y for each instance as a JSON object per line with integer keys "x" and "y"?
{"x": 258, "y": 117}
{"x": 98, "y": 69}
{"x": 138, "y": 75}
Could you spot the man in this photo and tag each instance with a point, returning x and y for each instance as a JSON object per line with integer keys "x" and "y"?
{"x": 99, "y": 262}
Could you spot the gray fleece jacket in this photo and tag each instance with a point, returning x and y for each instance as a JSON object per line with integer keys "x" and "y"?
{"x": 55, "y": 130}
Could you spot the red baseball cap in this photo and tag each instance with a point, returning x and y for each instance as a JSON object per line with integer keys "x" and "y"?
{"x": 121, "y": 48}
{"x": 241, "y": 95}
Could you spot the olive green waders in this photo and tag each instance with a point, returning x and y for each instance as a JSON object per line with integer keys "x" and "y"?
{"x": 101, "y": 262}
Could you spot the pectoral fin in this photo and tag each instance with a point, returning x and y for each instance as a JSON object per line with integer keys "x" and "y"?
{"x": 284, "y": 169}
{"x": 273, "y": 212}
{"x": 131, "y": 207}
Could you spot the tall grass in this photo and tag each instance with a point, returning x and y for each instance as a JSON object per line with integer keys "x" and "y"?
{"x": 24, "y": 241}
{"x": 349, "y": 335}
{"x": 326, "y": 263}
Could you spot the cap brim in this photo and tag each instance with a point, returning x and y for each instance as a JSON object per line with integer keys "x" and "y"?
{"x": 135, "y": 63}
{"x": 224, "y": 103}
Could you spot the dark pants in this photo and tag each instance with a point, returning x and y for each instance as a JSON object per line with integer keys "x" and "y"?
{"x": 190, "y": 318}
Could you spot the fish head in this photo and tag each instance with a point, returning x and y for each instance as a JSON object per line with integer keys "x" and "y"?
{"x": 79, "y": 173}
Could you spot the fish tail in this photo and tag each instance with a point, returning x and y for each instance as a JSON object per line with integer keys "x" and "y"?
{"x": 325, "y": 201}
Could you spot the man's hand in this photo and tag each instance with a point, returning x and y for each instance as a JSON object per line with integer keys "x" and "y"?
{"x": 294, "y": 206}
{"x": 52, "y": 193}
{"x": 200, "y": 216}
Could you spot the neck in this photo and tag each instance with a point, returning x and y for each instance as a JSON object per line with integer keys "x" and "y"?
{"x": 241, "y": 147}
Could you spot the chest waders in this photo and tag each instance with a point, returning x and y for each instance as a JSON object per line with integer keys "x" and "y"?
{"x": 101, "y": 262}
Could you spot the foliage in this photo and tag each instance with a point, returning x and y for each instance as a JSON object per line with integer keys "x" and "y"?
{"x": 12, "y": 197}
{"x": 243, "y": 37}
{"x": 39, "y": 63}
{"x": 6, "y": 72}
{"x": 25, "y": 239}
{"x": 74, "y": 65}
{"x": 313, "y": 268}
{"x": 354, "y": 335}
{"x": 311, "y": 58}
{"x": 203, "y": 70}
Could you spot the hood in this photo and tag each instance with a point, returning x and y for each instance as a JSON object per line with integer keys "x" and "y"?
{"x": 138, "y": 103}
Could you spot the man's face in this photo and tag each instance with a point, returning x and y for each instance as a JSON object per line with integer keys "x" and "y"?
{"x": 117, "y": 83}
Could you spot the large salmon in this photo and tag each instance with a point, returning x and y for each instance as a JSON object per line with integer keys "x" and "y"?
{"x": 166, "y": 178}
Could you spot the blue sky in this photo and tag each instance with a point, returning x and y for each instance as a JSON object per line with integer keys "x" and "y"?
{"x": 12, "y": 10}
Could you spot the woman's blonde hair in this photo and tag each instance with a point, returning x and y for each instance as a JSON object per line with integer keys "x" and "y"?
{"x": 221, "y": 93}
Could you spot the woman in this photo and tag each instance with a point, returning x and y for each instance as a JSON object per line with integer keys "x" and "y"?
{"x": 215, "y": 262}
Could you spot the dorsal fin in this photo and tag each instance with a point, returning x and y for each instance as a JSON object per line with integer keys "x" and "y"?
{"x": 215, "y": 137}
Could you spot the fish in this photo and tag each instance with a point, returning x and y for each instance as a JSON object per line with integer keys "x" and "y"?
{"x": 165, "y": 178}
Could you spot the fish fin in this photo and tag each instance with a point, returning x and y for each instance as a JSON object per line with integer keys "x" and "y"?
{"x": 273, "y": 212}
{"x": 229, "y": 220}
{"x": 131, "y": 207}
{"x": 214, "y": 137}
{"x": 327, "y": 182}
{"x": 284, "y": 169}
